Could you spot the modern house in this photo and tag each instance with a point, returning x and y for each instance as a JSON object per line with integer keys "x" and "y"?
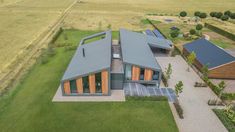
{"x": 220, "y": 63}
{"x": 100, "y": 66}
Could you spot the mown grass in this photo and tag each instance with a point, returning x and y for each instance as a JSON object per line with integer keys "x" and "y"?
{"x": 29, "y": 107}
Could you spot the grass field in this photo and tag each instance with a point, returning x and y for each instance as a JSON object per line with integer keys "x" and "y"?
{"x": 28, "y": 107}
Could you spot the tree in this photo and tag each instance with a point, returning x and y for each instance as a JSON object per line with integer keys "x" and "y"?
{"x": 212, "y": 14}
{"x": 190, "y": 59}
{"x": 192, "y": 31}
{"x": 174, "y": 33}
{"x": 218, "y": 15}
{"x": 109, "y": 26}
{"x": 168, "y": 72}
{"x": 232, "y": 15}
{"x": 205, "y": 72}
{"x": 224, "y": 18}
{"x": 221, "y": 87}
{"x": 183, "y": 13}
{"x": 227, "y": 13}
{"x": 203, "y": 15}
{"x": 199, "y": 28}
{"x": 197, "y": 13}
{"x": 179, "y": 88}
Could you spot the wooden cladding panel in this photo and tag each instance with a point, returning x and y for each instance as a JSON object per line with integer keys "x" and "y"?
{"x": 148, "y": 74}
{"x": 79, "y": 85}
{"x": 226, "y": 71}
{"x": 135, "y": 73}
{"x": 92, "y": 83}
{"x": 105, "y": 82}
{"x": 67, "y": 88}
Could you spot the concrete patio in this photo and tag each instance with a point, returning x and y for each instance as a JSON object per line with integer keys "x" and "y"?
{"x": 116, "y": 96}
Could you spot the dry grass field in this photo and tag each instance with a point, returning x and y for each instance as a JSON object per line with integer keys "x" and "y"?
{"x": 94, "y": 14}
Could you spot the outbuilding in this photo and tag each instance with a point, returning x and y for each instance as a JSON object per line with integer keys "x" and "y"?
{"x": 220, "y": 64}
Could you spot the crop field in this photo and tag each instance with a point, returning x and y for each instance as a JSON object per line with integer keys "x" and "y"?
{"x": 94, "y": 14}
{"x": 21, "y": 24}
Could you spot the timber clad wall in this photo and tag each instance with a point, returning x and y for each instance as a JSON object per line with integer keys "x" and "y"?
{"x": 148, "y": 74}
{"x": 67, "y": 87}
{"x": 92, "y": 83}
{"x": 226, "y": 71}
{"x": 135, "y": 73}
{"x": 105, "y": 82}
{"x": 79, "y": 85}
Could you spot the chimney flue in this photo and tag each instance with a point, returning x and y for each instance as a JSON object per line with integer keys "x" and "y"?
{"x": 83, "y": 52}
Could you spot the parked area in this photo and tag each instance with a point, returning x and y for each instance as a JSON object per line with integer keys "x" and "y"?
{"x": 198, "y": 116}
{"x": 135, "y": 89}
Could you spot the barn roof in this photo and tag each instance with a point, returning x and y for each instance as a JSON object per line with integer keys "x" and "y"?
{"x": 209, "y": 54}
{"x": 97, "y": 56}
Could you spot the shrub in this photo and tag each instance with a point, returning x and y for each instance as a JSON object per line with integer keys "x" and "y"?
{"x": 213, "y": 14}
{"x": 183, "y": 13}
{"x": 227, "y": 13}
{"x": 232, "y": 15}
{"x": 225, "y": 120}
{"x": 44, "y": 59}
{"x": 147, "y": 98}
{"x": 179, "y": 109}
{"x": 203, "y": 15}
{"x": 224, "y": 18}
{"x": 218, "y": 15}
{"x": 174, "y": 33}
{"x": 197, "y": 13}
{"x": 192, "y": 31}
{"x": 51, "y": 52}
{"x": 199, "y": 26}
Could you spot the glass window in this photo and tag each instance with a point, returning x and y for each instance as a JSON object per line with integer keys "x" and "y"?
{"x": 128, "y": 72}
{"x": 85, "y": 82}
{"x": 73, "y": 86}
{"x": 98, "y": 83}
{"x": 141, "y": 73}
{"x": 155, "y": 75}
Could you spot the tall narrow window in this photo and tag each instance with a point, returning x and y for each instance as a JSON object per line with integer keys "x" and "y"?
{"x": 155, "y": 75}
{"x": 73, "y": 86}
{"x": 85, "y": 81}
{"x": 141, "y": 73}
{"x": 98, "y": 82}
{"x": 128, "y": 72}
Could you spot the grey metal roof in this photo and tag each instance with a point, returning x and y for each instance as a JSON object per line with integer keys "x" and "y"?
{"x": 135, "y": 50}
{"x": 97, "y": 57}
{"x": 209, "y": 54}
{"x": 159, "y": 42}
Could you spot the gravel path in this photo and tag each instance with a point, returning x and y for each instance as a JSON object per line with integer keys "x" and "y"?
{"x": 198, "y": 116}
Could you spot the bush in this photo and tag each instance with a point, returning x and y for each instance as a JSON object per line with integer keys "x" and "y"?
{"x": 197, "y": 13}
{"x": 232, "y": 15}
{"x": 213, "y": 14}
{"x": 203, "y": 15}
{"x": 147, "y": 98}
{"x": 192, "y": 31}
{"x": 44, "y": 59}
{"x": 51, "y": 52}
{"x": 225, "y": 120}
{"x": 174, "y": 33}
{"x": 183, "y": 13}
{"x": 199, "y": 26}
{"x": 218, "y": 15}
{"x": 224, "y": 18}
{"x": 227, "y": 13}
{"x": 179, "y": 109}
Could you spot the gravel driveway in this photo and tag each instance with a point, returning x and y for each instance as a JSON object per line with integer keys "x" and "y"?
{"x": 198, "y": 116}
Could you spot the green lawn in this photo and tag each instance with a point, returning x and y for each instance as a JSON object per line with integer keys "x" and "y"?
{"x": 28, "y": 107}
